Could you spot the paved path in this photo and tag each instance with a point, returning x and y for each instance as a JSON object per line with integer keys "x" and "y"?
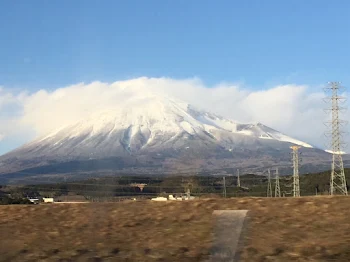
{"x": 228, "y": 228}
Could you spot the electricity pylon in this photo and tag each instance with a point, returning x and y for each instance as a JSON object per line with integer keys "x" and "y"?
{"x": 238, "y": 179}
{"x": 338, "y": 180}
{"x": 296, "y": 186}
{"x": 277, "y": 184}
{"x": 224, "y": 192}
{"x": 188, "y": 193}
{"x": 269, "y": 187}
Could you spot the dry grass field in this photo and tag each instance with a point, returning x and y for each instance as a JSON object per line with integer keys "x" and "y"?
{"x": 283, "y": 229}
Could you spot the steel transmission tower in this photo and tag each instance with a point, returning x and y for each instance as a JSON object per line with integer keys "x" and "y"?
{"x": 224, "y": 192}
{"x": 238, "y": 179}
{"x": 338, "y": 180}
{"x": 296, "y": 186}
{"x": 277, "y": 185}
{"x": 269, "y": 187}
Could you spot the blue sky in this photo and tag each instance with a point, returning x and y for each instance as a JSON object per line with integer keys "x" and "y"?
{"x": 255, "y": 44}
{"x": 47, "y": 44}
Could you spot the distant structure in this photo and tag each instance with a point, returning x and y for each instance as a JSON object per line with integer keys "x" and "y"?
{"x": 224, "y": 181}
{"x": 238, "y": 179}
{"x": 277, "y": 184}
{"x": 296, "y": 186}
{"x": 161, "y": 199}
{"x": 338, "y": 180}
{"x": 48, "y": 200}
{"x": 188, "y": 193}
{"x": 34, "y": 200}
{"x": 269, "y": 187}
{"x": 140, "y": 185}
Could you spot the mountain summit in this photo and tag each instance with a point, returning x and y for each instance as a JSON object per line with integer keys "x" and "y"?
{"x": 147, "y": 123}
{"x": 157, "y": 132}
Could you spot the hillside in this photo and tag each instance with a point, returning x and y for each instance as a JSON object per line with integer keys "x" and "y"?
{"x": 284, "y": 229}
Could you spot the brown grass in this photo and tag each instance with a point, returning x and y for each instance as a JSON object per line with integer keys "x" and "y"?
{"x": 284, "y": 229}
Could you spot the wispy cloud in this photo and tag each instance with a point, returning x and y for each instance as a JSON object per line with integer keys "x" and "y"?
{"x": 292, "y": 109}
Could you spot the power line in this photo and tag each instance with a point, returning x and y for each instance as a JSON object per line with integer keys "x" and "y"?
{"x": 131, "y": 193}
{"x": 338, "y": 180}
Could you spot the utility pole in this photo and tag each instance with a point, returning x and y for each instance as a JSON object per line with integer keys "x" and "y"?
{"x": 338, "y": 180}
{"x": 238, "y": 179}
{"x": 224, "y": 193}
{"x": 296, "y": 186}
{"x": 188, "y": 193}
{"x": 269, "y": 187}
{"x": 277, "y": 185}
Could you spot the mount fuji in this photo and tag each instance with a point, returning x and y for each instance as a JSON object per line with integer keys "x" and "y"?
{"x": 150, "y": 133}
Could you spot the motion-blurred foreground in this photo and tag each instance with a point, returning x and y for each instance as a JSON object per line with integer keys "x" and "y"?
{"x": 280, "y": 229}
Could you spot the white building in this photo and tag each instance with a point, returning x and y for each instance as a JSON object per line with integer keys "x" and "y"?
{"x": 159, "y": 199}
{"x": 48, "y": 200}
{"x": 182, "y": 197}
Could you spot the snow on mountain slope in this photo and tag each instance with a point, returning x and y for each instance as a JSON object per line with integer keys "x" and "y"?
{"x": 264, "y": 132}
{"x": 336, "y": 153}
{"x": 153, "y": 133}
{"x": 142, "y": 121}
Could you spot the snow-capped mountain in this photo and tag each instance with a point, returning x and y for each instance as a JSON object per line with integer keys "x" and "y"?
{"x": 145, "y": 123}
{"x": 150, "y": 128}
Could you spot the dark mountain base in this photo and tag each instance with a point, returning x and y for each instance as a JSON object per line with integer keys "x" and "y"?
{"x": 169, "y": 162}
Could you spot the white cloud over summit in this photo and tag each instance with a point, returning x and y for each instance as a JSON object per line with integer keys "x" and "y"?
{"x": 291, "y": 109}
